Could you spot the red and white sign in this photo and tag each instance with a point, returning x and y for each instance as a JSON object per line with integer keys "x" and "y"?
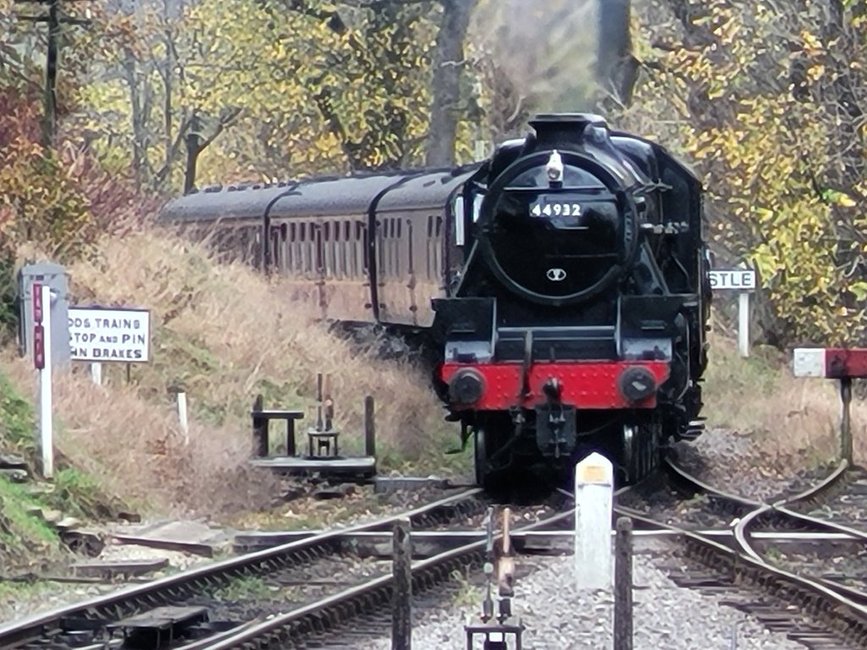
{"x": 835, "y": 363}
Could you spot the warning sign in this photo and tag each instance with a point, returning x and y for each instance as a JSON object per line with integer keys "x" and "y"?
{"x": 97, "y": 334}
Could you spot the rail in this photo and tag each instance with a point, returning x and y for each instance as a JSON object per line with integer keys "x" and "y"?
{"x": 183, "y": 585}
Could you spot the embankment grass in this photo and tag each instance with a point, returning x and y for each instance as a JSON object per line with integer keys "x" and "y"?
{"x": 786, "y": 416}
{"x": 225, "y": 334}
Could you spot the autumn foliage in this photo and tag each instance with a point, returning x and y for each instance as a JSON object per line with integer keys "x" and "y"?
{"x": 767, "y": 103}
{"x": 764, "y": 98}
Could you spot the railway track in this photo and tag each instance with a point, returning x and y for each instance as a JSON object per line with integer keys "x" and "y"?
{"x": 324, "y": 623}
{"x": 819, "y": 610}
{"x": 180, "y": 605}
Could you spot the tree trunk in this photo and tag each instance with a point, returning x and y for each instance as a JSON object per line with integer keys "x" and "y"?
{"x": 448, "y": 67}
{"x": 616, "y": 70}
{"x": 138, "y": 127}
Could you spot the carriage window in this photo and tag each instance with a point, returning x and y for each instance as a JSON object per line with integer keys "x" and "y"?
{"x": 365, "y": 253}
{"x": 319, "y": 248}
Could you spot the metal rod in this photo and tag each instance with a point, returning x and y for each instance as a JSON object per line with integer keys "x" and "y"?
{"x": 328, "y": 404}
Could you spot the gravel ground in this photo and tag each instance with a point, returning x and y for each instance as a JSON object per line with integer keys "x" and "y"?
{"x": 736, "y": 461}
{"x": 557, "y": 615}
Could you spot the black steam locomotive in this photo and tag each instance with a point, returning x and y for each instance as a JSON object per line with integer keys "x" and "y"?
{"x": 561, "y": 285}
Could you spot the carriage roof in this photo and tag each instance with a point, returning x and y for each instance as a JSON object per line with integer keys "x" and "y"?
{"x": 319, "y": 196}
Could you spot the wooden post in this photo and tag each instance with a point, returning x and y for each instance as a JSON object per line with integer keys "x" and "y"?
{"x": 623, "y": 585}
{"x": 369, "y": 427}
{"x": 260, "y": 429}
{"x": 845, "y": 420}
{"x": 401, "y": 606}
{"x": 320, "y": 421}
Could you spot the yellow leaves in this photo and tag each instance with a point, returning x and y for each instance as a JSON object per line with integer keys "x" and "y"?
{"x": 834, "y": 197}
{"x": 815, "y": 72}
{"x": 812, "y": 45}
{"x": 728, "y": 30}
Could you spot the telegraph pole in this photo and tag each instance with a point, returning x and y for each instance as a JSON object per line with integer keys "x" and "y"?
{"x": 55, "y": 19}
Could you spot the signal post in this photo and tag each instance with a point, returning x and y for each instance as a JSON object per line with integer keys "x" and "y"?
{"x": 844, "y": 364}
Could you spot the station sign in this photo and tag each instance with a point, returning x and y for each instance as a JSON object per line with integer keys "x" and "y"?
{"x": 105, "y": 335}
{"x": 736, "y": 279}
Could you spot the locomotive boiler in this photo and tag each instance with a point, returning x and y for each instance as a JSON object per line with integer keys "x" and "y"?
{"x": 560, "y": 286}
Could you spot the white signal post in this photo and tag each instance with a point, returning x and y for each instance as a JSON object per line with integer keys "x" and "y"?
{"x": 594, "y": 500}
{"x": 42, "y": 319}
{"x": 744, "y": 323}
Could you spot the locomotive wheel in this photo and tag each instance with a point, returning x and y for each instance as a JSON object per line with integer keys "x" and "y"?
{"x": 641, "y": 451}
{"x": 488, "y": 439}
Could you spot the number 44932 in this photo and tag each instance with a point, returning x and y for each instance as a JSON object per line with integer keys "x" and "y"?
{"x": 557, "y": 209}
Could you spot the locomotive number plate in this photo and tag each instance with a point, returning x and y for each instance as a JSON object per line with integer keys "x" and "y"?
{"x": 545, "y": 206}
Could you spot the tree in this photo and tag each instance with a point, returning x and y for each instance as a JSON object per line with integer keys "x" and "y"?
{"x": 448, "y": 66}
{"x": 766, "y": 99}
{"x": 616, "y": 69}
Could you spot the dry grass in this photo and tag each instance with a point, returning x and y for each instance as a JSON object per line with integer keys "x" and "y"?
{"x": 787, "y": 416}
{"x": 226, "y": 334}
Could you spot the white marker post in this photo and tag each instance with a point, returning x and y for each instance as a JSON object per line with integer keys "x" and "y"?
{"x": 42, "y": 362}
{"x": 182, "y": 416}
{"x": 96, "y": 373}
{"x": 744, "y": 282}
{"x": 594, "y": 497}
{"x": 744, "y": 323}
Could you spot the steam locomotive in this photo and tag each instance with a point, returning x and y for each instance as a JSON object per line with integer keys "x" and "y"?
{"x": 561, "y": 286}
